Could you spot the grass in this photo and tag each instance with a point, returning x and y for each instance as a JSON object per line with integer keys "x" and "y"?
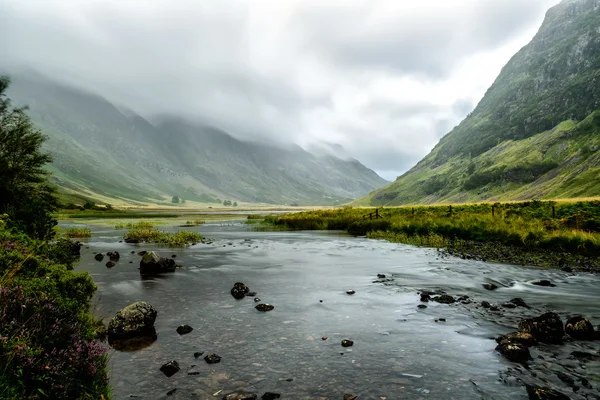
{"x": 195, "y": 222}
{"x": 135, "y": 225}
{"x": 111, "y": 214}
{"x": 562, "y": 229}
{"x": 77, "y": 232}
{"x": 152, "y": 235}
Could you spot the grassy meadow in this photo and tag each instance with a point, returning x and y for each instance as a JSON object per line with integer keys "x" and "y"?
{"x": 532, "y": 232}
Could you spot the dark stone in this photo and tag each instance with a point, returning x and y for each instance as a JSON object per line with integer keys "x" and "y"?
{"x": 422, "y": 306}
{"x": 539, "y": 393}
{"x": 153, "y": 264}
{"x": 198, "y": 354}
{"x": 566, "y": 268}
{"x": 442, "y": 320}
{"x": 350, "y": 291}
{"x": 565, "y": 378}
{"x": 444, "y": 299}
{"x": 256, "y": 299}
{"x": 526, "y": 339}
{"x": 580, "y": 328}
{"x": 128, "y": 240}
{"x": 132, "y": 251}
{"x": 99, "y": 257}
{"x": 114, "y": 256}
{"x": 519, "y": 302}
{"x": 544, "y": 282}
{"x": 270, "y": 396}
{"x": 239, "y": 290}
{"x": 170, "y": 368}
{"x": 547, "y": 328}
{"x": 381, "y": 276}
{"x": 240, "y": 396}
{"x": 184, "y": 329}
{"x": 212, "y": 358}
{"x": 489, "y": 286}
{"x": 174, "y": 255}
{"x": 425, "y": 297}
{"x": 130, "y": 262}
{"x": 349, "y": 396}
{"x": 194, "y": 373}
{"x": 509, "y": 305}
{"x": 347, "y": 343}
{"x": 582, "y": 355}
{"x": 171, "y": 392}
{"x": 485, "y": 304}
{"x": 135, "y": 320}
{"x": 494, "y": 308}
{"x": 141, "y": 253}
{"x": 264, "y": 307}
{"x": 110, "y": 264}
{"x": 251, "y": 294}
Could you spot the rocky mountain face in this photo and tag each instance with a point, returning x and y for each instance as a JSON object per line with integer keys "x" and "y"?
{"x": 535, "y": 133}
{"x": 101, "y": 151}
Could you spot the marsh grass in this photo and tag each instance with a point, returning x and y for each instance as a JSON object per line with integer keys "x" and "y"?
{"x": 134, "y": 225}
{"x": 112, "y": 214}
{"x": 152, "y": 235}
{"x": 76, "y": 232}
{"x": 527, "y": 225}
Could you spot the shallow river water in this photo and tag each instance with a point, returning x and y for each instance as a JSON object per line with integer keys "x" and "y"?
{"x": 399, "y": 352}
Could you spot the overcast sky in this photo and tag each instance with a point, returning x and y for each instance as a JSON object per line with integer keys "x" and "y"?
{"x": 386, "y": 79}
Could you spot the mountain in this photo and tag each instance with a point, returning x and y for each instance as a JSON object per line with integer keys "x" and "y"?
{"x": 112, "y": 154}
{"x": 535, "y": 133}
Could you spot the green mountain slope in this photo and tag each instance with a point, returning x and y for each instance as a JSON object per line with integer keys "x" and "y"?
{"x": 535, "y": 133}
{"x": 102, "y": 152}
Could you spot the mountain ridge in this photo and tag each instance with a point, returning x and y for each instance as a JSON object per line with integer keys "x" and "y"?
{"x": 537, "y": 123}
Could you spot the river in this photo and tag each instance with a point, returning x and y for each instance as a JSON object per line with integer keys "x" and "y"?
{"x": 399, "y": 352}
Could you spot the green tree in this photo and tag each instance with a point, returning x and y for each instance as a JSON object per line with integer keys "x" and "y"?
{"x": 175, "y": 199}
{"x": 25, "y": 194}
{"x": 235, "y": 203}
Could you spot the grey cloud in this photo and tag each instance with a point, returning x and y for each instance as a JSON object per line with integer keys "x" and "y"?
{"x": 276, "y": 77}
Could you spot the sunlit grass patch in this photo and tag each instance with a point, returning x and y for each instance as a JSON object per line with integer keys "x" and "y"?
{"x": 77, "y": 232}
{"x": 152, "y": 235}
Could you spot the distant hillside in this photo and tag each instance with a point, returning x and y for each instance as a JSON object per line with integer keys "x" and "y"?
{"x": 102, "y": 152}
{"x": 536, "y": 132}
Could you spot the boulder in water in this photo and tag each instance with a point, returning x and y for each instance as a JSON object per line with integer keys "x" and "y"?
{"x": 347, "y": 343}
{"x": 547, "y": 328}
{"x": 114, "y": 256}
{"x": 170, "y": 368}
{"x": 134, "y": 322}
{"x": 490, "y": 286}
{"x": 264, "y": 307}
{"x": 153, "y": 264}
{"x": 99, "y": 257}
{"x": 580, "y": 328}
{"x": 444, "y": 299}
{"x": 212, "y": 358}
{"x": 270, "y": 396}
{"x": 184, "y": 329}
{"x": 110, "y": 264}
{"x": 526, "y": 339}
{"x": 544, "y": 282}
{"x": 239, "y": 290}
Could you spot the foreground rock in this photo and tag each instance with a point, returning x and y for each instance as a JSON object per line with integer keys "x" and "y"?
{"x": 239, "y": 290}
{"x": 547, "y": 328}
{"x": 580, "y": 328}
{"x": 539, "y": 393}
{"x": 132, "y": 326}
{"x": 153, "y": 264}
{"x": 240, "y": 396}
{"x": 212, "y": 358}
{"x": 170, "y": 368}
{"x": 264, "y": 307}
{"x": 184, "y": 329}
{"x": 514, "y": 351}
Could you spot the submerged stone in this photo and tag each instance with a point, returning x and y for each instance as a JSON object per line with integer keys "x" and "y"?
{"x": 489, "y": 286}
{"x": 347, "y": 343}
{"x": 99, "y": 257}
{"x": 270, "y": 396}
{"x": 264, "y": 307}
{"x": 212, "y": 358}
{"x": 540, "y": 393}
{"x": 544, "y": 282}
{"x": 444, "y": 299}
{"x": 240, "y": 396}
{"x": 239, "y": 290}
{"x": 184, "y": 329}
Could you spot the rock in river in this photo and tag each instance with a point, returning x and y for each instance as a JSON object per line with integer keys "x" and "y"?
{"x": 212, "y": 358}
{"x": 270, "y": 396}
{"x": 580, "y": 328}
{"x": 347, "y": 343}
{"x": 544, "y": 282}
{"x": 489, "y": 286}
{"x": 514, "y": 351}
{"x": 153, "y": 264}
{"x": 526, "y": 339}
{"x": 133, "y": 321}
{"x": 547, "y": 328}
{"x": 184, "y": 329}
{"x": 240, "y": 396}
{"x": 239, "y": 290}
{"x": 540, "y": 393}
{"x": 110, "y": 264}
{"x": 170, "y": 368}
{"x": 99, "y": 257}
{"x": 444, "y": 299}
{"x": 114, "y": 256}
{"x": 264, "y": 307}
{"x": 350, "y": 291}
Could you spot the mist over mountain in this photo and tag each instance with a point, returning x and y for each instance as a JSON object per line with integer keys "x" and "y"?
{"x": 100, "y": 149}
